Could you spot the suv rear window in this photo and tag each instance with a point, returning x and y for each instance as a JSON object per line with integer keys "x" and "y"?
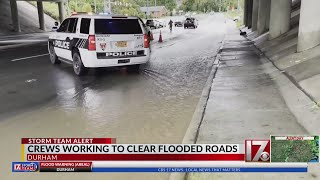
{"x": 117, "y": 26}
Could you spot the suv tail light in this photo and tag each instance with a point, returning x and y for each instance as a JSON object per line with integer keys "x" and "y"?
{"x": 92, "y": 43}
{"x": 146, "y": 41}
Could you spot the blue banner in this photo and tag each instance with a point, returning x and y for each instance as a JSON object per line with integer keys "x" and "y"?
{"x": 25, "y": 166}
{"x": 200, "y": 169}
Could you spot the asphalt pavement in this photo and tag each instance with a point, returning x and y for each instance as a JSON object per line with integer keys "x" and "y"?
{"x": 153, "y": 106}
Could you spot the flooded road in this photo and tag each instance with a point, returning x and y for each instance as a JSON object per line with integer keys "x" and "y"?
{"x": 154, "y": 106}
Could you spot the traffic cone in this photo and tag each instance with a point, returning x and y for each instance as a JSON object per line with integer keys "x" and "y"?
{"x": 160, "y": 37}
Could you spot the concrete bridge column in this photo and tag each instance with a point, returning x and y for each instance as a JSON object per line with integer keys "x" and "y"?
{"x": 61, "y": 12}
{"x": 263, "y": 16}
{"x": 15, "y": 16}
{"x": 249, "y": 16}
{"x": 309, "y": 26}
{"x": 245, "y": 13}
{"x": 40, "y": 14}
{"x": 255, "y": 8}
{"x": 280, "y": 15}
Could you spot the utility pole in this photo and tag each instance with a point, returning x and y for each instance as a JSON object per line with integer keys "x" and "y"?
{"x": 238, "y": 7}
{"x": 197, "y": 5}
{"x": 95, "y": 6}
{"x": 104, "y": 6}
{"x": 147, "y": 8}
{"x": 68, "y": 8}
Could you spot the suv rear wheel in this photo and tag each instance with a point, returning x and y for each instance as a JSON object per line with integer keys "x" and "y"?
{"x": 78, "y": 67}
{"x": 53, "y": 57}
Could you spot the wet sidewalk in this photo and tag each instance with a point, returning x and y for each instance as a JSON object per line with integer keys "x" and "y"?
{"x": 244, "y": 103}
{"x": 244, "y": 100}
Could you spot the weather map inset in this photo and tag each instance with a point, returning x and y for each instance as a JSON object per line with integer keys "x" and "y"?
{"x": 294, "y": 148}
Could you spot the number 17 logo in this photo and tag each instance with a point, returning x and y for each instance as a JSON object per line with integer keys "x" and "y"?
{"x": 257, "y": 150}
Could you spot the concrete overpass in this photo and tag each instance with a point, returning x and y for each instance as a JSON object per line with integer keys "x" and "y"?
{"x": 15, "y": 12}
{"x": 274, "y": 16}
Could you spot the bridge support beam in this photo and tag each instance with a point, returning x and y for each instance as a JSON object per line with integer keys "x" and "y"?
{"x": 309, "y": 25}
{"x": 263, "y": 16}
{"x": 61, "y": 12}
{"x": 255, "y": 9}
{"x": 40, "y": 14}
{"x": 280, "y": 15}
{"x": 15, "y": 16}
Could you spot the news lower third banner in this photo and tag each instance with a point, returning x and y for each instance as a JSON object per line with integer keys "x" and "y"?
{"x": 158, "y": 166}
{"x": 104, "y": 155}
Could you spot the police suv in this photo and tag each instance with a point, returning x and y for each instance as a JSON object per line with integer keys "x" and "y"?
{"x": 90, "y": 41}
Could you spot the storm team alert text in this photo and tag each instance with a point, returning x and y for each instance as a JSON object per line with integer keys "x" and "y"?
{"x": 131, "y": 148}
{"x": 66, "y": 140}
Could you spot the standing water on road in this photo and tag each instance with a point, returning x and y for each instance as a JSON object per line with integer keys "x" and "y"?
{"x": 154, "y": 106}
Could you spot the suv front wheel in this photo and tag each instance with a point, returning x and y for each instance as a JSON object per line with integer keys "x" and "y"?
{"x": 53, "y": 57}
{"x": 78, "y": 67}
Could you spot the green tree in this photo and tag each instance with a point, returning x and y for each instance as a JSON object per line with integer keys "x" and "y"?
{"x": 187, "y": 5}
{"x": 86, "y": 8}
{"x": 171, "y": 4}
{"x": 72, "y": 6}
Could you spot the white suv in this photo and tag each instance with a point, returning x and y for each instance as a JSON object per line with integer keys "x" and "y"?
{"x": 89, "y": 41}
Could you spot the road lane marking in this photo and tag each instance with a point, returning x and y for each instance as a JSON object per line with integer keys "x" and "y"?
{"x": 19, "y": 59}
{"x": 30, "y": 80}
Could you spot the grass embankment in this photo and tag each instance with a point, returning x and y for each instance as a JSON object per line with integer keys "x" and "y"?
{"x": 49, "y": 8}
{"x": 233, "y": 14}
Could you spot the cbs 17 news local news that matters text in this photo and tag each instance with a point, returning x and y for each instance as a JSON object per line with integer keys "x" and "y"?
{"x": 277, "y": 154}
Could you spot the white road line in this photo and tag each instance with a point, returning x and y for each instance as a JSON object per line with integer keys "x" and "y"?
{"x": 19, "y": 59}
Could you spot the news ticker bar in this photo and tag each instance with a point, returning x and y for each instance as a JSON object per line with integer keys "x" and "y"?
{"x": 181, "y": 170}
{"x": 161, "y": 167}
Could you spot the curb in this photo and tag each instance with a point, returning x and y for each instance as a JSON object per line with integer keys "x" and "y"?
{"x": 192, "y": 132}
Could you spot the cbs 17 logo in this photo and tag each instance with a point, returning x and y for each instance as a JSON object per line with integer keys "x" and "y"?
{"x": 257, "y": 150}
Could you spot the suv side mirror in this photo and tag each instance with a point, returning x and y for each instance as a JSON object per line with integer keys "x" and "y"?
{"x": 56, "y": 26}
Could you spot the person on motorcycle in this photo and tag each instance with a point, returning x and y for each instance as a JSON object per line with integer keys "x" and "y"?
{"x": 170, "y": 25}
